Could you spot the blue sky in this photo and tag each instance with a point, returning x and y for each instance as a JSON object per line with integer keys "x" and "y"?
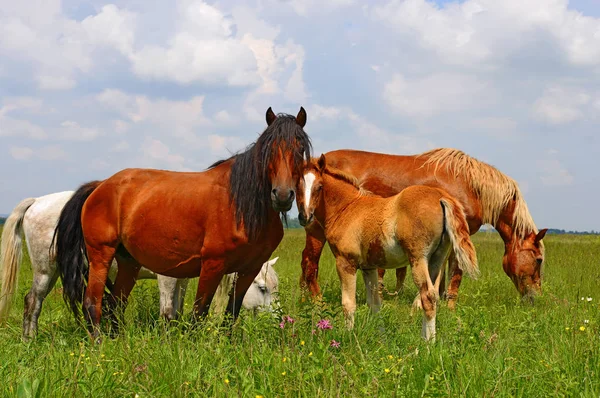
{"x": 88, "y": 88}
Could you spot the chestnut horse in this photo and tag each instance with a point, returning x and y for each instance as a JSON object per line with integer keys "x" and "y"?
{"x": 487, "y": 195}
{"x": 419, "y": 226}
{"x": 207, "y": 224}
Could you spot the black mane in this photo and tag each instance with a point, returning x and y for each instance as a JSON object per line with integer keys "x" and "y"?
{"x": 250, "y": 188}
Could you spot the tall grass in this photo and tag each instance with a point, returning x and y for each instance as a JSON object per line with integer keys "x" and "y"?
{"x": 492, "y": 345}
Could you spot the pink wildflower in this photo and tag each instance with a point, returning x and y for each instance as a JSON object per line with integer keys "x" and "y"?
{"x": 324, "y": 324}
{"x": 289, "y": 319}
{"x": 282, "y": 324}
{"x": 335, "y": 344}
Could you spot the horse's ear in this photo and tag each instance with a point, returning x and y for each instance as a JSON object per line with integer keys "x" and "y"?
{"x": 540, "y": 235}
{"x": 270, "y": 116}
{"x": 322, "y": 163}
{"x": 301, "y": 118}
{"x": 272, "y": 262}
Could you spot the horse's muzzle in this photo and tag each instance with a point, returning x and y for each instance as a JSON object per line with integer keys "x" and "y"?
{"x": 282, "y": 200}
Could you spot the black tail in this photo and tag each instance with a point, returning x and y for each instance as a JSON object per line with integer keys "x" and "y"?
{"x": 71, "y": 257}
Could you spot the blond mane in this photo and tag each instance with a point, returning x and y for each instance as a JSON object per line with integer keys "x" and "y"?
{"x": 494, "y": 189}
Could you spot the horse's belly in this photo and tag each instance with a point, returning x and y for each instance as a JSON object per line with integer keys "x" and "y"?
{"x": 386, "y": 254}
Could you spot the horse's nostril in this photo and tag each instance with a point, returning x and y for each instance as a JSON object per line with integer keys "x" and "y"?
{"x": 274, "y": 192}
{"x": 292, "y": 194}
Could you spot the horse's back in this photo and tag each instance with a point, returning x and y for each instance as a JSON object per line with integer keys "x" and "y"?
{"x": 420, "y": 212}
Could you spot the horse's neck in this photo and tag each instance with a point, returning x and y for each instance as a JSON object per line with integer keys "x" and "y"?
{"x": 504, "y": 226}
{"x": 337, "y": 195}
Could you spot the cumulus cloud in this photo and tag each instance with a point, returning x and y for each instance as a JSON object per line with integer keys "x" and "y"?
{"x": 434, "y": 94}
{"x": 553, "y": 172}
{"x": 559, "y": 105}
{"x": 476, "y": 31}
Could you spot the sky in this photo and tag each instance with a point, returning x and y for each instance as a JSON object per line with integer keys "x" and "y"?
{"x": 88, "y": 88}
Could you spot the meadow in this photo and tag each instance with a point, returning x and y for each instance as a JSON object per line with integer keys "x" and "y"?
{"x": 492, "y": 345}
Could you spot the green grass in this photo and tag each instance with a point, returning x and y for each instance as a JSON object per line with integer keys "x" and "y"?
{"x": 492, "y": 345}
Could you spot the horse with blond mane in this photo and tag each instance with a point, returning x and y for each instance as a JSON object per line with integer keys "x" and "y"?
{"x": 487, "y": 195}
{"x": 418, "y": 226}
{"x": 223, "y": 220}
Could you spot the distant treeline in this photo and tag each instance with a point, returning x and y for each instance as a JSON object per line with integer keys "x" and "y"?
{"x": 2, "y": 220}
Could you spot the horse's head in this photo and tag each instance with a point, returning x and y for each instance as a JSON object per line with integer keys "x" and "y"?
{"x": 284, "y": 149}
{"x": 522, "y": 262}
{"x": 265, "y": 286}
{"x": 310, "y": 190}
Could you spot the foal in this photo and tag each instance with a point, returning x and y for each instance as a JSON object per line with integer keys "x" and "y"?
{"x": 419, "y": 226}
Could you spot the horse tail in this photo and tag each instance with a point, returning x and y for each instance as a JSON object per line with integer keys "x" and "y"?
{"x": 458, "y": 232}
{"x": 11, "y": 254}
{"x": 69, "y": 246}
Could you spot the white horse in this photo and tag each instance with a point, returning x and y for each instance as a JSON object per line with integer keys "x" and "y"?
{"x": 37, "y": 218}
{"x": 260, "y": 294}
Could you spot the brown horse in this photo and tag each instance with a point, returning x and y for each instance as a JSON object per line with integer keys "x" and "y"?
{"x": 487, "y": 195}
{"x": 183, "y": 225}
{"x": 419, "y": 226}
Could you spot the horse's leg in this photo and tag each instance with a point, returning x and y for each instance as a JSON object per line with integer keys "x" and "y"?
{"x": 315, "y": 241}
{"x": 43, "y": 282}
{"x": 182, "y": 285}
{"x": 380, "y": 283}
{"x": 400, "y": 277}
{"x": 168, "y": 288}
{"x": 428, "y": 295}
{"x": 442, "y": 284}
{"x": 370, "y": 276}
{"x": 100, "y": 258}
{"x": 211, "y": 273}
{"x": 243, "y": 282}
{"x": 456, "y": 278}
{"x": 347, "y": 275}
{"x": 128, "y": 270}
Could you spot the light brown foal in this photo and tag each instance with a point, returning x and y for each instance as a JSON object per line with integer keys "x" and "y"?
{"x": 419, "y": 226}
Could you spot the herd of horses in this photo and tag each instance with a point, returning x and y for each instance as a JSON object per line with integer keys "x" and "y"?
{"x": 376, "y": 211}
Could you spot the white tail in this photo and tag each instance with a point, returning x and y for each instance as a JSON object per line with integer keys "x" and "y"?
{"x": 458, "y": 231}
{"x": 10, "y": 255}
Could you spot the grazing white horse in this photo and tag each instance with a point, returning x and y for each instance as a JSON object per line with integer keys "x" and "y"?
{"x": 37, "y": 218}
{"x": 260, "y": 294}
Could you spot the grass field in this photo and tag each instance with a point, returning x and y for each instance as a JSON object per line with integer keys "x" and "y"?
{"x": 492, "y": 345}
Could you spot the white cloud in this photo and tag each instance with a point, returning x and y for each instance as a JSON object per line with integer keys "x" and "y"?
{"x": 363, "y": 133}
{"x": 57, "y": 47}
{"x": 48, "y": 153}
{"x": 307, "y": 7}
{"x": 112, "y": 27}
{"x": 553, "y": 172}
{"x": 21, "y": 153}
{"x": 120, "y": 146}
{"x": 157, "y": 154}
{"x": 182, "y": 119}
{"x": 481, "y": 31}
{"x": 72, "y": 131}
{"x": 559, "y": 105}
{"x": 204, "y": 49}
{"x": 430, "y": 95}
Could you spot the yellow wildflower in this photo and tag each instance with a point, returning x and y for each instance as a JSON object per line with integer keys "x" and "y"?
{"x": 226, "y": 381}
{"x": 582, "y": 328}
{"x": 283, "y": 373}
{"x": 284, "y": 359}
{"x": 387, "y": 370}
{"x": 72, "y": 354}
{"x": 390, "y": 357}
{"x": 302, "y": 342}
{"x": 310, "y": 354}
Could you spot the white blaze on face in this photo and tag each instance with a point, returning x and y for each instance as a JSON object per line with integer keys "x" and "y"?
{"x": 309, "y": 179}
